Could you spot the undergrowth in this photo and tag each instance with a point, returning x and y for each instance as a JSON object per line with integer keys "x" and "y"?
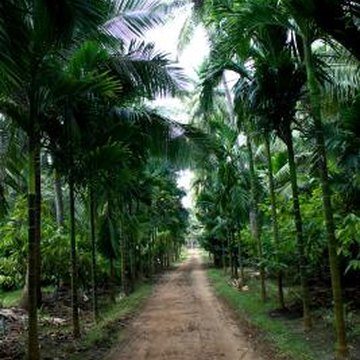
{"x": 103, "y": 335}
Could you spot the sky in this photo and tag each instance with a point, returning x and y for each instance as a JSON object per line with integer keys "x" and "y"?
{"x": 166, "y": 39}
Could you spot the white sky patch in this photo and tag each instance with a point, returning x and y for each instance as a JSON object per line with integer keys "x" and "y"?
{"x": 241, "y": 140}
{"x": 166, "y": 39}
{"x": 184, "y": 182}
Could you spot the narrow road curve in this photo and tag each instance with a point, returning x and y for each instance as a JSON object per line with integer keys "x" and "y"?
{"x": 183, "y": 320}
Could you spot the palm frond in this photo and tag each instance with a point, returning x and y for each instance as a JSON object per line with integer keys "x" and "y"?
{"x": 146, "y": 72}
{"x": 134, "y": 17}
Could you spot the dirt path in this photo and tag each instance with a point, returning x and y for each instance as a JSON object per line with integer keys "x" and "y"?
{"x": 183, "y": 320}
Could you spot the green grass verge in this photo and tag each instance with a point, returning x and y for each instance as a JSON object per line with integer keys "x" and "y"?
{"x": 10, "y": 298}
{"x": 102, "y": 336}
{"x": 283, "y": 336}
{"x": 13, "y": 297}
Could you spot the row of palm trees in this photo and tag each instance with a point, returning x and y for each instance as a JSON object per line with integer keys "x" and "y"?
{"x": 284, "y": 54}
{"x": 74, "y": 77}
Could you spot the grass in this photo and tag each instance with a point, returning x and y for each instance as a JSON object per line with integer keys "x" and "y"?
{"x": 10, "y": 298}
{"x": 284, "y": 337}
{"x": 103, "y": 335}
{"x": 97, "y": 339}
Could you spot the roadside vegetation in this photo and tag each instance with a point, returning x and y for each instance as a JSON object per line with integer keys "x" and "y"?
{"x": 89, "y": 203}
{"x": 277, "y": 335}
{"x": 279, "y": 96}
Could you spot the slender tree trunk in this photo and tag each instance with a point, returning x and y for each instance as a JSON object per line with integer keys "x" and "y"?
{"x": 255, "y": 217}
{"x": 131, "y": 265}
{"x": 229, "y": 254}
{"x": 234, "y": 257}
{"x": 123, "y": 256}
{"x": 24, "y": 300}
{"x": 32, "y": 281}
{"x": 240, "y": 260}
{"x": 151, "y": 256}
{"x": 223, "y": 258}
{"x": 274, "y": 221}
{"x": 38, "y": 222}
{"x": 74, "y": 277}
{"x": 93, "y": 254}
{"x": 315, "y": 102}
{"x": 59, "y": 202}
{"x": 299, "y": 231}
{"x": 112, "y": 280}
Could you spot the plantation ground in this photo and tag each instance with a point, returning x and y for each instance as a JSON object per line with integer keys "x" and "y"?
{"x": 185, "y": 320}
{"x": 178, "y": 317}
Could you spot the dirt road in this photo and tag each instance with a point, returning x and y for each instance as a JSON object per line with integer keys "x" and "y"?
{"x": 183, "y": 320}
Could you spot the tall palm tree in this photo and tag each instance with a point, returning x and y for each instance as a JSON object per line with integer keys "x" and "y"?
{"x": 277, "y": 103}
{"x": 273, "y": 14}
{"x": 31, "y": 33}
{"x": 274, "y": 217}
{"x": 266, "y": 87}
{"x": 314, "y": 93}
{"x": 308, "y": 23}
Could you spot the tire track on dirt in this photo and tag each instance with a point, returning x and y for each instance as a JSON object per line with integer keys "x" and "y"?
{"x": 184, "y": 320}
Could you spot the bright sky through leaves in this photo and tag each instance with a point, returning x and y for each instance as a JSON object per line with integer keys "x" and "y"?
{"x": 166, "y": 39}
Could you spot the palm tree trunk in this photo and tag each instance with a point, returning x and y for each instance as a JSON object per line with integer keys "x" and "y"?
{"x": 315, "y": 102}
{"x": 240, "y": 261}
{"x": 254, "y": 214}
{"x": 151, "y": 257}
{"x": 299, "y": 230}
{"x": 74, "y": 282}
{"x": 141, "y": 260}
{"x": 229, "y": 253}
{"x": 131, "y": 264}
{"x": 274, "y": 220}
{"x": 93, "y": 254}
{"x": 32, "y": 281}
{"x": 123, "y": 257}
{"x": 38, "y": 222}
{"x": 59, "y": 202}
{"x": 112, "y": 280}
{"x": 234, "y": 257}
{"x": 223, "y": 258}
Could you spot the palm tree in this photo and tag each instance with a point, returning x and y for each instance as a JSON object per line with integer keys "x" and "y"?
{"x": 28, "y": 52}
{"x": 335, "y": 25}
{"x": 335, "y": 18}
{"x": 255, "y": 213}
{"x": 31, "y": 33}
{"x": 275, "y": 16}
{"x": 274, "y": 217}
{"x": 271, "y": 63}
{"x": 314, "y": 93}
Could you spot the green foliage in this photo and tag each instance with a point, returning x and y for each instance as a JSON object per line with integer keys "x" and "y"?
{"x": 13, "y": 232}
{"x": 348, "y": 231}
